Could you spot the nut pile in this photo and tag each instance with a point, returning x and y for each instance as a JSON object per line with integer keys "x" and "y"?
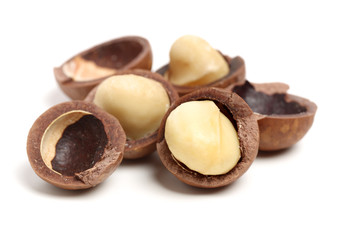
{"x": 206, "y": 121}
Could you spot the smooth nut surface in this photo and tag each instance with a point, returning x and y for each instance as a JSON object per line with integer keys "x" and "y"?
{"x": 202, "y": 138}
{"x": 75, "y": 145}
{"x": 135, "y": 149}
{"x": 194, "y": 62}
{"x": 80, "y": 69}
{"x": 139, "y": 103}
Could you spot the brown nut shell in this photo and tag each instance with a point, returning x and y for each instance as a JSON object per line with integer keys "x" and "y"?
{"x": 283, "y": 127}
{"x": 139, "y": 148}
{"x": 245, "y": 121}
{"x": 120, "y": 54}
{"x": 86, "y": 149}
{"x": 236, "y": 74}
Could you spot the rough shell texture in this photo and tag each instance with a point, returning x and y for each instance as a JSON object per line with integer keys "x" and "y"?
{"x": 280, "y": 131}
{"x": 236, "y": 74}
{"x": 139, "y": 148}
{"x": 247, "y": 128}
{"x": 111, "y": 158}
{"x": 122, "y": 53}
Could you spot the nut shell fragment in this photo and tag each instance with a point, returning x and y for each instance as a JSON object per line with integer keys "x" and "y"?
{"x": 280, "y": 132}
{"x": 285, "y": 128}
{"x": 247, "y": 129}
{"x": 111, "y": 157}
{"x": 118, "y": 54}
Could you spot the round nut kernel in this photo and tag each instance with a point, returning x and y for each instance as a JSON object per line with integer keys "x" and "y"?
{"x": 194, "y": 62}
{"x": 139, "y": 103}
{"x": 135, "y": 149}
{"x": 202, "y": 138}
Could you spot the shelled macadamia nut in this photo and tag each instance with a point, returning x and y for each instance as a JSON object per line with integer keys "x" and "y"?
{"x": 208, "y": 138}
{"x": 75, "y": 145}
{"x": 138, "y": 99}
{"x": 195, "y": 64}
{"x": 197, "y": 127}
{"x": 81, "y": 73}
{"x": 283, "y": 118}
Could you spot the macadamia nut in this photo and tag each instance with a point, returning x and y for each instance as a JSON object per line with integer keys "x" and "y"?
{"x": 138, "y": 103}
{"x": 80, "y": 69}
{"x": 202, "y": 138}
{"x": 194, "y": 62}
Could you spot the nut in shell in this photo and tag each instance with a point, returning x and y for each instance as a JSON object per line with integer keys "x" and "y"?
{"x": 238, "y": 114}
{"x": 194, "y": 64}
{"x": 139, "y": 99}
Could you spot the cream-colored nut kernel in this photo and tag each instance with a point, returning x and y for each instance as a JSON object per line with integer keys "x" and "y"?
{"x": 202, "y": 138}
{"x": 194, "y": 62}
{"x": 80, "y": 69}
{"x": 138, "y": 103}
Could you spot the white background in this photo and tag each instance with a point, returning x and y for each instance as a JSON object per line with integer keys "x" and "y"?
{"x": 294, "y": 194}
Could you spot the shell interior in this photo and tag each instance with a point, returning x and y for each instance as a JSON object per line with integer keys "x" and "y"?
{"x": 73, "y": 142}
{"x": 268, "y": 104}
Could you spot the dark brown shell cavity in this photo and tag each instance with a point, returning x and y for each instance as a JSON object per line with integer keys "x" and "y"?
{"x": 268, "y": 104}
{"x": 80, "y": 147}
